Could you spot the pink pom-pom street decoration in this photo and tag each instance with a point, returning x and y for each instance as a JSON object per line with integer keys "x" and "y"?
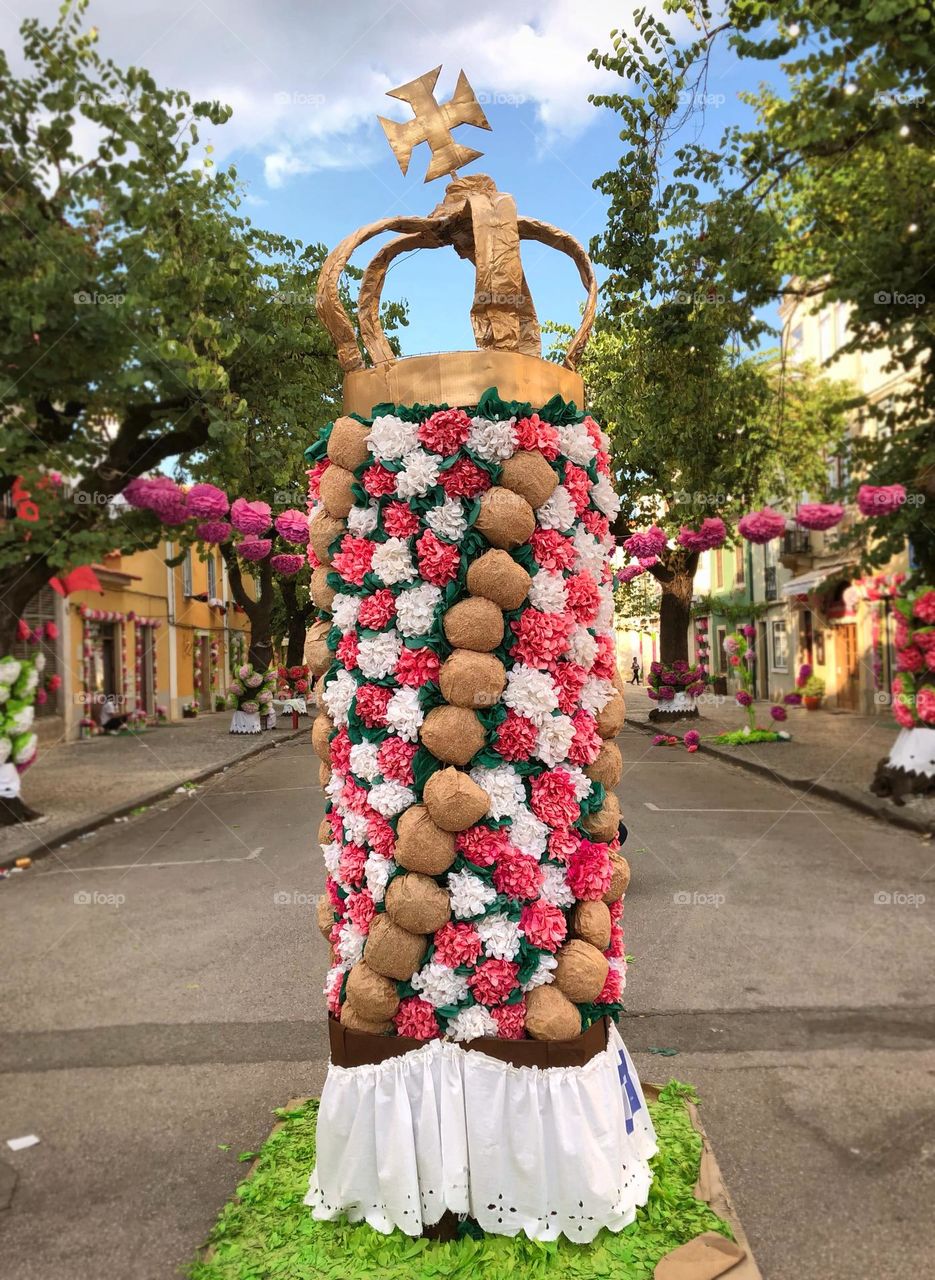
{"x": 160, "y": 495}
{"x": 293, "y": 526}
{"x": 286, "y": 564}
{"x": 651, "y": 542}
{"x": 250, "y": 517}
{"x": 762, "y": 526}
{"x": 629, "y": 572}
{"x": 253, "y": 549}
{"x": 137, "y": 492}
{"x": 880, "y": 499}
{"x": 819, "y": 515}
{"x": 207, "y": 501}
{"x": 213, "y": 531}
{"x": 711, "y": 534}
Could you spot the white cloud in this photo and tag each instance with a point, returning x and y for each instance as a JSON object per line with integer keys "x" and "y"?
{"x": 307, "y": 81}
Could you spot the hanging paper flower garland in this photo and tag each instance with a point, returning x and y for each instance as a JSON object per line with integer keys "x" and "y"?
{"x": 880, "y": 500}
{"x": 710, "y": 534}
{"x": 293, "y": 526}
{"x": 762, "y": 526}
{"x": 647, "y": 545}
{"x": 250, "y": 517}
{"x": 207, "y": 501}
{"x": 819, "y": 515}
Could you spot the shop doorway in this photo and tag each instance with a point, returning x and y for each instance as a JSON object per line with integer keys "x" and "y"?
{"x": 847, "y": 680}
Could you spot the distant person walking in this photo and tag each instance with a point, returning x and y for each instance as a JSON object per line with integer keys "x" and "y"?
{"x": 635, "y": 669}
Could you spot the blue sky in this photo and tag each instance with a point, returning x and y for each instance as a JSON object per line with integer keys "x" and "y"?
{"x": 307, "y": 79}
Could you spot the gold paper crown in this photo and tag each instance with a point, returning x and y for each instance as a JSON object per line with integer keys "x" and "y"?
{"x": 481, "y": 224}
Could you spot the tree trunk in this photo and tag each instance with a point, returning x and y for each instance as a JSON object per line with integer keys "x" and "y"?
{"x": 259, "y": 612}
{"x": 676, "y": 576}
{"x": 297, "y": 616}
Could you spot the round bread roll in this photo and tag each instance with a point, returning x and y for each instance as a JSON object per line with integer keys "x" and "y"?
{"x": 454, "y": 801}
{"x": 322, "y": 595}
{"x": 610, "y": 721}
{"x": 475, "y": 624}
{"x": 351, "y": 1019}
{"x": 323, "y": 530}
{"x": 505, "y": 519}
{"x": 421, "y": 845}
{"x": 347, "y": 444}
{"x": 608, "y": 767}
{"x": 551, "y": 1015}
{"x": 529, "y": 474}
{"x": 325, "y": 915}
{"x": 454, "y": 735}
{"x": 373, "y": 996}
{"x": 324, "y": 775}
{"x": 498, "y": 577}
{"x": 336, "y": 491}
{"x": 391, "y": 951}
{"x": 602, "y": 826}
{"x": 324, "y": 829}
{"x": 619, "y": 878}
{"x": 318, "y": 656}
{"x": 470, "y": 679}
{"x": 418, "y": 903}
{"x": 581, "y": 971}
{"x": 590, "y": 921}
{"x": 322, "y": 729}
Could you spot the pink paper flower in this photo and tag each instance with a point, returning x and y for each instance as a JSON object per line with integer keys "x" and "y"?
{"x": 378, "y": 610}
{"x": 378, "y": 481}
{"x": 902, "y": 715}
{"x": 465, "y": 479}
{"x": 380, "y": 835}
{"x": 553, "y": 798}
{"x": 762, "y": 526}
{"x": 315, "y": 474}
{"x": 340, "y": 755}
{"x": 214, "y": 531}
{"x": 551, "y": 550}
{"x": 351, "y": 866}
{"x": 587, "y": 742}
{"x": 250, "y": 517}
{"x": 544, "y": 925}
{"x": 569, "y": 679}
{"x": 541, "y": 637}
{"x": 925, "y": 704}
{"x": 253, "y": 549}
{"x": 629, "y": 572}
{"x": 416, "y": 1019}
{"x": 347, "y": 650}
{"x": 417, "y": 667}
{"x": 583, "y": 596}
{"x": 612, "y": 989}
{"x": 692, "y": 738}
{"x": 286, "y": 564}
{"x": 371, "y": 702}
{"x": 354, "y": 558}
{"x": 399, "y": 520}
{"x": 493, "y": 980}
{"x": 651, "y": 542}
{"x": 457, "y": 944}
{"x": 360, "y": 909}
{"x": 516, "y": 737}
{"x": 578, "y": 484}
{"x": 589, "y": 871}
{"x": 880, "y": 499}
{"x": 293, "y": 526}
{"x": 819, "y": 515}
{"x": 563, "y": 844}
{"x": 510, "y": 1020}
{"x": 924, "y": 607}
{"x": 207, "y": 501}
{"x": 481, "y": 845}
{"x": 438, "y": 561}
{"x": 445, "y": 431}
{"x": 395, "y": 757}
{"x": 710, "y": 534}
{"x": 533, "y": 433}
{"x": 517, "y": 874}
{"x": 910, "y": 659}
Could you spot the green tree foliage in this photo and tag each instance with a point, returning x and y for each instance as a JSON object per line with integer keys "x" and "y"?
{"x": 827, "y": 194}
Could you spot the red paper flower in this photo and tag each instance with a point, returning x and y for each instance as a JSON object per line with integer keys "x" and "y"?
{"x": 347, "y": 650}
{"x": 481, "y": 845}
{"x": 516, "y": 737}
{"x": 457, "y": 944}
{"x": 533, "y": 433}
{"x": 378, "y": 610}
{"x": 493, "y": 980}
{"x": 416, "y": 1019}
{"x": 544, "y": 925}
{"x": 924, "y": 607}
{"x": 589, "y": 871}
{"x": 438, "y": 561}
{"x": 445, "y": 431}
{"x": 417, "y": 667}
{"x": 465, "y": 479}
{"x": 563, "y": 844}
{"x": 354, "y": 559}
{"x": 510, "y": 1020}
{"x": 553, "y": 551}
{"x": 553, "y": 798}
{"x": 399, "y": 520}
{"x": 378, "y": 481}
{"x": 517, "y": 874}
{"x": 541, "y": 637}
{"x": 612, "y": 988}
{"x": 371, "y": 702}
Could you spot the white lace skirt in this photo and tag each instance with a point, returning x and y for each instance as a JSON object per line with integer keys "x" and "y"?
{"x": 547, "y": 1151}
{"x": 244, "y": 722}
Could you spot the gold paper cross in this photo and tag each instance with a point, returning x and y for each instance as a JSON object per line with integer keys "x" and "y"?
{"x": 433, "y": 124}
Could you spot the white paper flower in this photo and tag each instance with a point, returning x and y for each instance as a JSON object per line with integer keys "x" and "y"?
{"x": 530, "y": 693}
{"x": 500, "y": 935}
{"x": 605, "y": 614}
{"x": 419, "y": 474}
{"x": 528, "y": 833}
{"x": 390, "y": 437}
{"x": 404, "y": 714}
{"x": 576, "y": 444}
{"x": 333, "y": 979}
{"x": 350, "y": 946}
{"x": 590, "y": 551}
{"x": 390, "y": 798}
{"x": 337, "y": 696}
{"x": 619, "y": 965}
{"x": 558, "y": 512}
{"x": 554, "y": 739}
{"x": 344, "y": 611}
{"x": 378, "y": 655}
{"x": 355, "y": 828}
{"x": 440, "y": 985}
{"x": 376, "y": 875}
{"x": 472, "y": 1023}
{"x": 470, "y": 895}
{"x": 332, "y": 855}
{"x": 363, "y": 760}
{"x": 492, "y": 441}
{"x": 363, "y": 520}
{"x": 392, "y": 562}
{"x": 555, "y": 888}
{"x": 542, "y": 975}
{"x": 604, "y": 498}
{"x": 333, "y": 787}
{"x": 548, "y": 592}
{"x": 596, "y": 694}
{"x": 448, "y": 520}
{"x": 579, "y": 780}
{"x": 505, "y": 788}
{"x": 415, "y": 608}
{"x": 582, "y": 648}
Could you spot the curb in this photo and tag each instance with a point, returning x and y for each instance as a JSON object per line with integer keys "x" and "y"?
{"x": 41, "y": 848}
{"x": 851, "y": 800}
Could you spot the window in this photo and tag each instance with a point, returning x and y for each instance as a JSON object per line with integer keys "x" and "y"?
{"x": 779, "y": 645}
{"x": 840, "y": 323}
{"x": 187, "y": 574}
{"x": 826, "y": 347}
{"x": 718, "y": 569}
{"x": 796, "y": 339}
{"x": 719, "y": 656}
{"x": 738, "y": 565}
{"x": 212, "y": 578}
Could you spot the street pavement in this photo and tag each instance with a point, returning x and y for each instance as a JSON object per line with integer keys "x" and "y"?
{"x": 162, "y": 994}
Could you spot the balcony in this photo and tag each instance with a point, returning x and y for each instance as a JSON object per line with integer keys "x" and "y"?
{"x": 796, "y": 552}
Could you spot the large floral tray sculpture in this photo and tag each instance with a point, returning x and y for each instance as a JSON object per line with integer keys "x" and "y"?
{"x": 250, "y": 696}
{"x": 460, "y": 538}
{"x": 910, "y": 767}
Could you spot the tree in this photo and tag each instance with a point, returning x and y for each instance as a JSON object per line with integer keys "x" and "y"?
{"x": 140, "y": 324}
{"x": 825, "y": 195}
{"x": 699, "y": 431}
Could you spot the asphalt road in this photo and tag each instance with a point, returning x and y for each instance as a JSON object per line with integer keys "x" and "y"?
{"x": 161, "y": 995}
